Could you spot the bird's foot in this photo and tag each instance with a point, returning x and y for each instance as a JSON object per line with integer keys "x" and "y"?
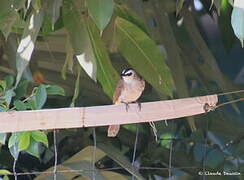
{"x": 139, "y": 105}
{"x": 127, "y": 107}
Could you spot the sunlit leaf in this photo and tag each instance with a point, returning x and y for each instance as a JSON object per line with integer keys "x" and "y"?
{"x": 79, "y": 38}
{"x": 101, "y": 11}
{"x": 27, "y": 43}
{"x": 4, "y": 172}
{"x": 24, "y": 141}
{"x": 3, "y": 137}
{"x": 237, "y": 20}
{"x": 40, "y": 136}
{"x": 41, "y": 96}
{"x": 14, "y": 138}
{"x": 143, "y": 54}
{"x": 5, "y": 177}
{"x": 166, "y": 140}
{"x": 53, "y": 10}
{"x": 106, "y": 74}
{"x": 14, "y": 151}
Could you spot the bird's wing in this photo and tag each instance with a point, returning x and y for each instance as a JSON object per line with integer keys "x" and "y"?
{"x": 117, "y": 91}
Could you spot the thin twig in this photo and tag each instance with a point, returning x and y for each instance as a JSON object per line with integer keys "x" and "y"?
{"x": 232, "y": 92}
{"x": 55, "y": 155}
{"x": 205, "y": 150}
{"x": 229, "y": 102}
{"x": 94, "y": 154}
{"x": 14, "y": 169}
{"x": 85, "y": 170}
{"x": 170, "y": 158}
{"x": 135, "y": 148}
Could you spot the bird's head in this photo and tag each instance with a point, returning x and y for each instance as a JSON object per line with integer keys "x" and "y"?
{"x": 128, "y": 74}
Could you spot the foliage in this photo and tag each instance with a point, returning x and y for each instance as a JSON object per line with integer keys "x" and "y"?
{"x": 25, "y": 141}
{"x": 163, "y": 41}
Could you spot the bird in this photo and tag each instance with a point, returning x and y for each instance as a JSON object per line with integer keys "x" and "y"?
{"x": 129, "y": 89}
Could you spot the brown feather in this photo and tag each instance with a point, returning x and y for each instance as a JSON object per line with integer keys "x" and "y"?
{"x": 117, "y": 91}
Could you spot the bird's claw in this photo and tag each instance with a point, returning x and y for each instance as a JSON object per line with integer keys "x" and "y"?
{"x": 139, "y": 105}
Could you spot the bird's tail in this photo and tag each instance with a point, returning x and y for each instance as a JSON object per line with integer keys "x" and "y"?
{"x": 113, "y": 130}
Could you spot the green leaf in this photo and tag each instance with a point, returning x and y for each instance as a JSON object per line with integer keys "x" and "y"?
{"x": 179, "y": 5}
{"x": 8, "y": 96}
{"x": 3, "y": 85}
{"x": 9, "y": 81}
{"x": 4, "y": 172}
{"x": 21, "y": 89}
{"x": 14, "y": 151}
{"x": 237, "y": 20}
{"x": 69, "y": 60}
{"x": 3, "y": 109}
{"x": 165, "y": 140}
{"x": 33, "y": 148}
{"x": 31, "y": 104}
{"x": 7, "y": 21}
{"x": 225, "y": 28}
{"x": 101, "y": 12}
{"x": 126, "y": 13}
{"x": 17, "y": 4}
{"x": 24, "y": 141}
{"x": 5, "y": 177}
{"x": 55, "y": 90}
{"x": 77, "y": 87}
{"x": 79, "y": 39}
{"x": 106, "y": 73}
{"x": 36, "y": 4}
{"x": 41, "y": 96}
{"x": 14, "y": 138}
{"x": 3, "y": 137}
{"x": 8, "y": 17}
{"x": 144, "y": 55}
{"x": 20, "y": 106}
{"x": 27, "y": 43}
{"x": 53, "y": 10}
{"x": 40, "y": 136}
{"x": 73, "y": 27}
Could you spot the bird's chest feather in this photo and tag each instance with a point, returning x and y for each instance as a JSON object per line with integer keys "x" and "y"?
{"x": 131, "y": 91}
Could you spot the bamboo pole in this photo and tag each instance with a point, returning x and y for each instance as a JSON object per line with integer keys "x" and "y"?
{"x": 103, "y": 115}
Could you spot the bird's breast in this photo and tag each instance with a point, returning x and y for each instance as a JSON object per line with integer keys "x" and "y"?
{"x": 131, "y": 91}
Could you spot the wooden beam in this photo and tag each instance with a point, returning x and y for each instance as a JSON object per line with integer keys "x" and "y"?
{"x": 103, "y": 115}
